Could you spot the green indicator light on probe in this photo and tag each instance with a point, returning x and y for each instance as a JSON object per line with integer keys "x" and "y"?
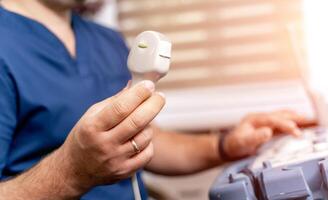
{"x": 142, "y": 45}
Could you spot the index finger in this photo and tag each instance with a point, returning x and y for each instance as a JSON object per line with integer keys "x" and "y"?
{"x": 299, "y": 119}
{"x": 118, "y": 108}
{"x": 276, "y": 123}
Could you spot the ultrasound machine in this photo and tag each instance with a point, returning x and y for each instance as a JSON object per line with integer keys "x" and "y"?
{"x": 285, "y": 168}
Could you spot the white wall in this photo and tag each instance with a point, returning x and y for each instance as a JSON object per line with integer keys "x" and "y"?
{"x": 316, "y": 30}
{"x": 107, "y": 16}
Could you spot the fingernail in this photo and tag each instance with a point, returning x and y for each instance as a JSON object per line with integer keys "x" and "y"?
{"x": 149, "y": 85}
{"x": 161, "y": 94}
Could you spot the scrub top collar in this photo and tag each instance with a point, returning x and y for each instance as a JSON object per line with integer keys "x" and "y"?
{"x": 22, "y": 23}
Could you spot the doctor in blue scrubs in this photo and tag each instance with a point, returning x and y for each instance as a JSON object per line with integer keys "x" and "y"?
{"x": 70, "y": 129}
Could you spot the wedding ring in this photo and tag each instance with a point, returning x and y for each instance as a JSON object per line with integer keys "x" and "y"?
{"x": 135, "y": 146}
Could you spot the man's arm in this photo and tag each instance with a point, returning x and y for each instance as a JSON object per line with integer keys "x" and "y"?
{"x": 178, "y": 153}
{"x": 181, "y": 153}
{"x": 52, "y": 178}
{"x": 97, "y": 151}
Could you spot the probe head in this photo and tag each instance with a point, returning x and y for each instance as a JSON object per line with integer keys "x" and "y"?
{"x": 150, "y": 54}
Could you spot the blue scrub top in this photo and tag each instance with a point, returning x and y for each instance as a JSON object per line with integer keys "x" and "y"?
{"x": 44, "y": 91}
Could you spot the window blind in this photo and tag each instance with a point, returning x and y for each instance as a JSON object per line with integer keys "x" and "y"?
{"x": 230, "y": 58}
{"x": 219, "y": 42}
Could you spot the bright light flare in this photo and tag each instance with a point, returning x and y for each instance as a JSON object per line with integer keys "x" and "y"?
{"x": 316, "y": 30}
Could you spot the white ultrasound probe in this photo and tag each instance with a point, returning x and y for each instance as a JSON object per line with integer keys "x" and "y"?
{"x": 149, "y": 59}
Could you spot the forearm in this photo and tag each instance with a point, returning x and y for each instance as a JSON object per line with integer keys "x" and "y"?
{"x": 179, "y": 154}
{"x": 47, "y": 180}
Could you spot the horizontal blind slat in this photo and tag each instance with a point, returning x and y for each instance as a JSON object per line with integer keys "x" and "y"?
{"x": 230, "y": 40}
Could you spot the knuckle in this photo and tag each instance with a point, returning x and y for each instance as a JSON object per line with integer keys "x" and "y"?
{"x": 137, "y": 122}
{"x": 93, "y": 107}
{"x": 88, "y": 127}
{"x": 97, "y": 105}
{"x": 147, "y": 134}
{"x": 120, "y": 109}
{"x": 142, "y": 93}
{"x": 150, "y": 152}
{"x": 149, "y": 113}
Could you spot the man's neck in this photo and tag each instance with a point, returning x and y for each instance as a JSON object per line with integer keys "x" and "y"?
{"x": 39, "y": 11}
{"x": 56, "y": 18}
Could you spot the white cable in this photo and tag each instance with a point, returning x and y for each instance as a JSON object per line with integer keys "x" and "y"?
{"x": 135, "y": 186}
{"x": 149, "y": 59}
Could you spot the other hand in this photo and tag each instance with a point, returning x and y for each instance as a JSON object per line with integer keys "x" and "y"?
{"x": 256, "y": 129}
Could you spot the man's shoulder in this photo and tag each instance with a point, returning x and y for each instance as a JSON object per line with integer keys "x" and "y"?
{"x": 8, "y": 39}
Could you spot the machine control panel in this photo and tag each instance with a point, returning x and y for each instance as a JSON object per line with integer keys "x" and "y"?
{"x": 285, "y": 168}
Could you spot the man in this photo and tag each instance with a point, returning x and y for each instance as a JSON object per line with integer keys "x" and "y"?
{"x": 55, "y": 66}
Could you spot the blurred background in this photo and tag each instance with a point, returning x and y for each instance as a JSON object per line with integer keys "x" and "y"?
{"x": 230, "y": 57}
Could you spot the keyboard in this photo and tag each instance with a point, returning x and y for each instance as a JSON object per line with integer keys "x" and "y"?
{"x": 285, "y": 168}
{"x": 287, "y": 150}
